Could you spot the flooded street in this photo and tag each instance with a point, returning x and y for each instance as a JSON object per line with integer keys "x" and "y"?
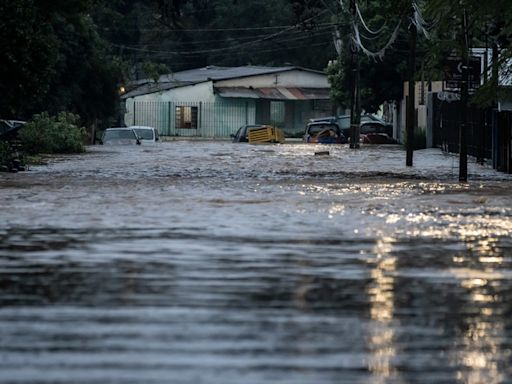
{"x": 209, "y": 262}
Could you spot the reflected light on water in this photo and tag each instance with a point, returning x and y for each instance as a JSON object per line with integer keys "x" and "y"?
{"x": 382, "y": 306}
{"x": 481, "y": 341}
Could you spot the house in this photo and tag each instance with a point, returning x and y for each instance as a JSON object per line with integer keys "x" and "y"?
{"x": 215, "y": 101}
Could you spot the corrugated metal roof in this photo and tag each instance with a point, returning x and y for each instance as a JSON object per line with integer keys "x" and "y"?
{"x": 200, "y": 75}
{"x": 221, "y": 73}
{"x": 148, "y": 88}
{"x": 278, "y": 93}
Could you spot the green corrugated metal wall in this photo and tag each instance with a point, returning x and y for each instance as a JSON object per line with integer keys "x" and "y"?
{"x": 215, "y": 119}
{"x": 211, "y": 119}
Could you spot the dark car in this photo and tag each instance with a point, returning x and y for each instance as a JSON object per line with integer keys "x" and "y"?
{"x": 324, "y": 132}
{"x": 9, "y": 128}
{"x": 377, "y": 138}
{"x": 242, "y": 135}
{"x": 369, "y": 124}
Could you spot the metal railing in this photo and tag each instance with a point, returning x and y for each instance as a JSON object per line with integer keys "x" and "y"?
{"x": 188, "y": 118}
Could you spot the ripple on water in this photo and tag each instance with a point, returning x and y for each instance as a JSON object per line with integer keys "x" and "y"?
{"x": 221, "y": 263}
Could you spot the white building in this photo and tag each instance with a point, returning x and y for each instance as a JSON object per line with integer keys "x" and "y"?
{"x": 216, "y": 101}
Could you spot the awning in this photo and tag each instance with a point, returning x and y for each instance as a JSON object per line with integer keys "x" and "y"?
{"x": 278, "y": 93}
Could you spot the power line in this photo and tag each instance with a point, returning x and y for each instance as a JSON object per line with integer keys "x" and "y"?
{"x": 215, "y": 50}
{"x": 216, "y": 29}
{"x": 255, "y": 51}
{"x": 236, "y": 46}
{"x": 311, "y": 34}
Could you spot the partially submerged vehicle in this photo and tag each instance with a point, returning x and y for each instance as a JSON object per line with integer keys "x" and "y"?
{"x": 145, "y": 134}
{"x": 377, "y": 138}
{"x": 369, "y": 124}
{"x": 120, "y": 136}
{"x": 255, "y": 134}
{"x": 324, "y": 133}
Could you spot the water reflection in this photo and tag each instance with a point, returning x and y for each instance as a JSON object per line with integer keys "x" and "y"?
{"x": 221, "y": 264}
{"x": 480, "y": 346}
{"x": 381, "y": 298}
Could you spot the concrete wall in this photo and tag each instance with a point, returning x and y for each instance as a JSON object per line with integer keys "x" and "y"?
{"x": 422, "y": 90}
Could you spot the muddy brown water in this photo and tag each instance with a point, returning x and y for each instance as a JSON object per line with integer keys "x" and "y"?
{"x": 208, "y": 262}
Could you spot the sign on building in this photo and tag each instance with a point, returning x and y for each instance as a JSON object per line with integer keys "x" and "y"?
{"x": 454, "y": 75}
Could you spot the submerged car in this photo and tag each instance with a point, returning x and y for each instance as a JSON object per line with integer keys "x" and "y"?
{"x": 324, "y": 133}
{"x": 242, "y": 134}
{"x": 120, "y": 136}
{"x": 377, "y": 138}
{"x": 369, "y": 124}
{"x": 258, "y": 134}
{"x": 145, "y": 134}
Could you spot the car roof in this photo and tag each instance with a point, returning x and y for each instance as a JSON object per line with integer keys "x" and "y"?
{"x": 323, "y": 123}
{"x": 140, "y": 127}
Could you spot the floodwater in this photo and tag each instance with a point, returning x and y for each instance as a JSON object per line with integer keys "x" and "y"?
{"x": 212, "y": 262}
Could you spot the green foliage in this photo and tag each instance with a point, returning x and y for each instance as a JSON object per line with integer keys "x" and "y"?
{"x": 488, "y": 23}
{"x": 29, "y": 54}
{"x": 380, "y": 79}
{"x": 154, "y": 70}
{"x": 47, "y": 134}
{"x": 10, "y": 157}
{"x": 6, "y": 154}
{"x": 53, "y": 59}
{"x": 340, "y": 87}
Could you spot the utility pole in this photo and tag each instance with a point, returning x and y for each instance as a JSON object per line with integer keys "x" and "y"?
{"x": 355, "y": 101}
{"x": 482, "y": 131}
{"x": 464, "y": 95}
{"x": 410, "y": 109}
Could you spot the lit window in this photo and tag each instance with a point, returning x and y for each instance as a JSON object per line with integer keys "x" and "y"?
{"x": 186, "y": 117}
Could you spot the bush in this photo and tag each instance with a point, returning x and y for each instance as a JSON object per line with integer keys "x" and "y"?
{"x": 5, "y": 153}
{"x": 47, "y": 134}
{"x": 10, "y": 158}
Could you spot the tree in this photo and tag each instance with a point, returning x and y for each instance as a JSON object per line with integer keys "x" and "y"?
{"x": 489, "y": 24}
{"x": 29, "y": 54}
{"x": 54, "y": 60}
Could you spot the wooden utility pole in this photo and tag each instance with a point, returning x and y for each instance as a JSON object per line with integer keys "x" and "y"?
{"x": 464, "y": 95}
{"x": 410, "y": 109}
{"x": 355, "y": 100}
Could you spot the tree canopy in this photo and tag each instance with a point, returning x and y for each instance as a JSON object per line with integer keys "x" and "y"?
{"x": 73, "y": 54}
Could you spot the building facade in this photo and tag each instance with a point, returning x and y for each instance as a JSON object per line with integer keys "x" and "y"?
{"x": 214, "y": 102}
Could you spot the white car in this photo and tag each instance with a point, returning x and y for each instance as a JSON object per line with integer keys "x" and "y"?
{"x": 120, "y": 136}
{"x": 145, "y": 134}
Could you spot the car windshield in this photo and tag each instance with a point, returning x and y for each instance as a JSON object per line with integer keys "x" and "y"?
{"x": 373, "y": 128}
{"x": 317, "y": 128}
{"x": 113, "y": 134}
{"x": 145, "y": 134}
{"x": 344, "y": 122}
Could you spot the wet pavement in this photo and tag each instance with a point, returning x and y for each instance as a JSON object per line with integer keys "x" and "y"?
{"x": 208, "y": 262}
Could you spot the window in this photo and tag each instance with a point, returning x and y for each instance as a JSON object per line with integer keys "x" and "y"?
{"x": 186, "y": 117}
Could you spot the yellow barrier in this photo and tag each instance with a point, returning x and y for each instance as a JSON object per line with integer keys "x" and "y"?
{"x": 266, "y": 134}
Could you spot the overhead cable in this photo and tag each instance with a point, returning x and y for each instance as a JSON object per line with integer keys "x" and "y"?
{"x": 236, "y": 46}
{"x": 381, "y": 52}
{"x": 222, "y": 49}
{"x": 418, "y": 20}
{"x": 365, "y": 25}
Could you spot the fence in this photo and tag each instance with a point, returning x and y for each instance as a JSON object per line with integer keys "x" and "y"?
{"x": 220, "y": 119}
{"x": 447, "y": 119}
{"x": 204, "y": 119}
